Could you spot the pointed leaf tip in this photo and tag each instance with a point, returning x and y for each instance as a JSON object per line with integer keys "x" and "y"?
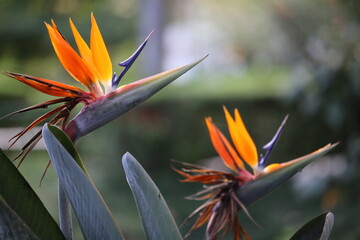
{"x": 317, "y": 228}
{"x": 155, "y": 215}
{"x": 93, "y": 215}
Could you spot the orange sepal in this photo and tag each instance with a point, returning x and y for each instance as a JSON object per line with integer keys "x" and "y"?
{"x": 223, "y": 147}
{"x": 83, "y": 48}
{"x": 71, "y": 61}
{"x": 241, "y": 138}
{"x": 49, "y": 87}
{"x": 100, "y": 54}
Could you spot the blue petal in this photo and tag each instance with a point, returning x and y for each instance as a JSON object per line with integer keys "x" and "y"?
{"x": 268, "y": 147}
{"x": 128, "y": 62}
{"x": 113, "y": 79}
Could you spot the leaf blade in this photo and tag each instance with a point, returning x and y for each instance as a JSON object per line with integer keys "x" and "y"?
{"x": 12, "y": 227}
{"x": 94, "y": 217}
{"x": 66, "y": 142}
{"x": 317, "y": 228}
{"x": 32, "y": 211}
{"x": 154, "y": 213}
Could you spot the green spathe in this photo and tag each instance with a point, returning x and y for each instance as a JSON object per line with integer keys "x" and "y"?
{"x": 266, "y": 182}
{"x": 108, "y": 107}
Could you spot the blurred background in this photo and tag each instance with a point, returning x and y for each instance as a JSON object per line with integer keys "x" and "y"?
{"x": 267, "y": 58}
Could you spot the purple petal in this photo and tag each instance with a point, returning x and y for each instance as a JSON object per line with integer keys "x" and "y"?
{"x": 113, "y": 77}
{"x": 128, "y": 62}
{"x": 268, "y": 147}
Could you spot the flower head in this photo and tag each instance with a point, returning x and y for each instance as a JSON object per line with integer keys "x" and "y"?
{"x": 91, "y": 67}
{"x": 245, "y": 152}
{"x": 222, "y": 188}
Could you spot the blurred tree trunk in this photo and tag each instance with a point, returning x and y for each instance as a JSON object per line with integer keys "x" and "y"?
{"x": 151, "y": 17}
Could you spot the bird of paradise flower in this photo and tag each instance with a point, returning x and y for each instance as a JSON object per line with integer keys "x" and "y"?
{"x": 223, "y": 190}
{"x": 92, "y": 67}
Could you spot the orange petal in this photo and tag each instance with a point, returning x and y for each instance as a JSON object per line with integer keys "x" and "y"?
{"x": 47, "y": 86}
{"x": 223, "y": 147}
{"x": 71, "y": 61}
{"x": 84, "y": 49}
{"x": 241, "y": 138}
{"x": 100, "y": 54}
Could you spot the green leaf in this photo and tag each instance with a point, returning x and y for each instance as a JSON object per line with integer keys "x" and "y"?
{"x": 65, "y": 218}
{"x": 11, "y": 225}
{"x": 265, "y": 183}
{"x": 155, "y": 215}
{"x": 22, "y": 199}
{"x": 318, "y": 228}
{"x": 93, "y": 215}
{"x": 65, "y": 214}
{"x": 114, "y": 104}
{"x": 66, "y": 142}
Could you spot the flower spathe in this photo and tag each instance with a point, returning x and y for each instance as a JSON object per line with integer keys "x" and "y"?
{"x": 221, "y": 188}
